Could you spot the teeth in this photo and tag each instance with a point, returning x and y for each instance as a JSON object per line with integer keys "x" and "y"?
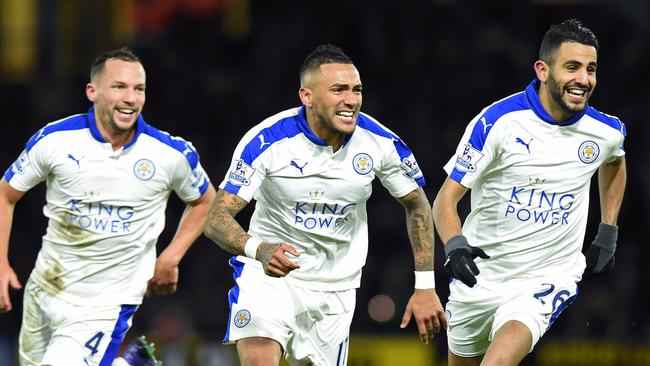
{"x": 345, "y": 114}
{"x": 126, "y": 111}
{"x": 579, "y": 92}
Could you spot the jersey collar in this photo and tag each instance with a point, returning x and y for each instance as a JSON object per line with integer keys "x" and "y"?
{"x": 92, "y": 124}
{"x": 303, "y": 126}
{"x": 538, "y": 108}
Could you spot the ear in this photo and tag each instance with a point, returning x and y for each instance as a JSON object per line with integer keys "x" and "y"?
{"x": 305, "y": 96}
{"x": 91, "y": 92}
{"x": 542, "y": 70}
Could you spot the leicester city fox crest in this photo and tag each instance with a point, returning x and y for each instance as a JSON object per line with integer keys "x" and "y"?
{"x": 144, "y": 169}
{"x": 588, "y": 151}
{"x": 242, "y": 318}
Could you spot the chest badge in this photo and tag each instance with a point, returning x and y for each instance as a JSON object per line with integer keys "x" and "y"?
{"x": 362, "y": 163}
{"x": 588, "y": 151}
{"x": 144, "y": 169}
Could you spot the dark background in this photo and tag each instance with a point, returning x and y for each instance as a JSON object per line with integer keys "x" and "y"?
{"x": 216, "y": 68}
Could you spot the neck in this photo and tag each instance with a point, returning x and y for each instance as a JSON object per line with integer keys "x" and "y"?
{"x": 332, "y": 137}
{"x": 116, "y": 138}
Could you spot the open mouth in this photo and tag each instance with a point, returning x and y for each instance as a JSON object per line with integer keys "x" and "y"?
{"x": 576, "y": 95}
{"x": 346, "y": 115}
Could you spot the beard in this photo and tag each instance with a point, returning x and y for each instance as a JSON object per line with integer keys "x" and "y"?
{"x": 557, "y": 94}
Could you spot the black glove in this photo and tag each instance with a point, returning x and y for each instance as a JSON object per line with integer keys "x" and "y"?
{"x": 600, "y": 254}
{"x": 460, "y": 259}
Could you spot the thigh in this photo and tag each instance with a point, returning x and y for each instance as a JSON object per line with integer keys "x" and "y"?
{"x": 35, "y": 331}
{"x": 322, "y": 329}
{"x": 470, "y": 313}
{"x": 260, "y": 306}
{"x": 88, "y": 336}
{"x": 537, "y": 304}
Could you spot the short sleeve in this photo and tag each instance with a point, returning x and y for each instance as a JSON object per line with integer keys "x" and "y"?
{"x": 31, "y": 167}
{"x": 400, "y": 173}
{"x": 477, "y": 149}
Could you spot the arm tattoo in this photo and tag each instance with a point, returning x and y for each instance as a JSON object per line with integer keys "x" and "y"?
{"x": 221, "y": 226}
{"x": 419, "y": 224}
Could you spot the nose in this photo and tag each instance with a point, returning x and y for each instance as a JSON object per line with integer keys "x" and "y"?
{"x": 351, "y": 98}
{"x": 582, "y": 77}
{"x": 130, "y": 96}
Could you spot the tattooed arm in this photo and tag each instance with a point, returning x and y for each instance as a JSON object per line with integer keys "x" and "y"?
{"x": 424, "y": 305}
{"x": 222, "y": 228}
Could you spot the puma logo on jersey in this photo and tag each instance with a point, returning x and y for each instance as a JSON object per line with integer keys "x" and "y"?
{"x": 294, "y": 164}
{"x": 485, "y": 124}
{"x": 75, "y": 160}
{"x": 262, "y": 143}
{"x": 527, "y": 145}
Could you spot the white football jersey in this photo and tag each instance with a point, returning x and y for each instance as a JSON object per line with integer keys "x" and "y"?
{"x": 313, "y": 198}
{"x": 105, "y": 208}
{"x": 529, "y": 180}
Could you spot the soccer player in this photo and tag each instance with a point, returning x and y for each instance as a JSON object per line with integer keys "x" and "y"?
{"x": 528, "y": 160}
{"x": 310, "y": 170}
{"x": 108, "y": 176}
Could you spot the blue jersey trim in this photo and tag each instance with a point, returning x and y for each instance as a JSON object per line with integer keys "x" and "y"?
{"x": 176, "y": 143}
{"x": 76, "y": 122}
{"x": 365, "y": 122}
{"x": 121, "y": 326}
{"x": 610, "y": 121}
{"x": 538, "y": 108}
{"x": 284, "y": 128}
{"x": 233, "y": 294}
{"x": 486, "y": 122}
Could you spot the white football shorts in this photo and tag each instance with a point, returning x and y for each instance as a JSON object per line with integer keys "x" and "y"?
{"x": 311, "y": 326}
{"x": 475, "y": 314}
{"x": 55, "y": 332}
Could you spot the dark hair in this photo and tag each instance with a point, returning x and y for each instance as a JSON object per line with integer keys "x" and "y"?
{"x": 571, "y": 30}
{"x": 323, "y": 54}
{"x": 124, "y": 54}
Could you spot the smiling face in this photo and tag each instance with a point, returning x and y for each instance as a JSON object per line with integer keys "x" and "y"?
{"x": 568, "y": 81}
{"x": 332, "y": 96}
{"x": 118, "y": 95}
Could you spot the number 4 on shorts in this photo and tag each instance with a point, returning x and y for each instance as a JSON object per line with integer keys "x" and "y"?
{"x": 93, "y": 342}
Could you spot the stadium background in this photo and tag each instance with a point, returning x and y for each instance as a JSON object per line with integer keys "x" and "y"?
{"x": 217, "y": 67}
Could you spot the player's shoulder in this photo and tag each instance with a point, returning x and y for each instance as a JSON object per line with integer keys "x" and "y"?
{"x": 70, "y": 123}
{"x": 374, "y": 127}
{"x": 607, "y": 119}
{"x": 504, "y": 107}
{"x": 174, "y": 143}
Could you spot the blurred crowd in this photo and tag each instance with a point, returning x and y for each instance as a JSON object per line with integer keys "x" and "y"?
{"x": 217, "y": 67}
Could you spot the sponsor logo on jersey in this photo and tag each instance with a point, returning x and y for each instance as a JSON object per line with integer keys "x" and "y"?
{"x": 518, "y": 140}
{"x": 321, "y": 216}
{"x": 466, "y": 162}
{"x": 242, "y": 318}
{"x": 144, "y": 169}
{"x": 536, "y": 181}
{"x": 78, "y": 161}
{"x": 100, "y": 216}
{"x": 241, "y": 173}
{"x": 410, "y": 167}
{"x": 588, "y": 151}
{"x": 21, "y": 163}
{"x": 538, "y": 206}
{"x": 297, "y": 166}
{"x": 362, "y": 163}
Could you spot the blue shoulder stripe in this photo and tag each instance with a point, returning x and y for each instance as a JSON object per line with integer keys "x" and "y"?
{"x": 486, "y": 122}
{"x": 367, "y": 123}
{"x": 177, "y": 143}
{"x": 284, "y": 128}
{"x": 611, "y": 121}
{"x": 76, "y": 122}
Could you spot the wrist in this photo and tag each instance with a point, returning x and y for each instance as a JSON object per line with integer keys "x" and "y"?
{"x": 425, "y": 280}
{"x": 250, "y": 248}
{"x": 456, "y": 242}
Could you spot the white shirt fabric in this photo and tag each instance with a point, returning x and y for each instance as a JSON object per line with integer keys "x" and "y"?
{"x": 105, "y": 208}
{"x": 529, "y": 180}
{"x": 313, "y": 198}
